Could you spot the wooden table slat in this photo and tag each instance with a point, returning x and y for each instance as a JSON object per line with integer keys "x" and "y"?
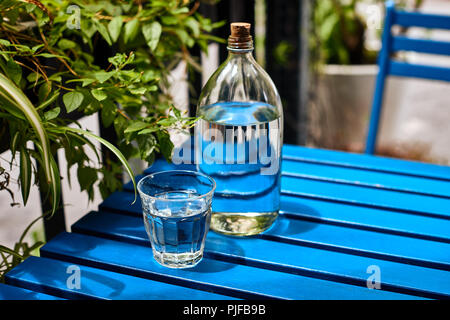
{"x": 356, "y": 216}
{"x": 366, "y": 162}
{"x": 369, "y": 197}
{"x": 213, "y": 275}
{"x": 52, "y": 276}
{"x": 321, "y": 262}
{"x": 399, "y": 199}
{"x": 343, "y": 175}
{"x": 371, "y": 179}
{"x": 329, "y": 237}
{"x": 341, "y": 214}
{"x": 351, "y": 215}
{"x": 10, "y": 292}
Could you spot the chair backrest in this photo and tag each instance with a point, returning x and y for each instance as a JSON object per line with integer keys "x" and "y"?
{"x": 392, "y": 44}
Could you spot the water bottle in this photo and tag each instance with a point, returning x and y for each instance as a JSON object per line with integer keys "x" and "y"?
{"x": 238, "y": 140}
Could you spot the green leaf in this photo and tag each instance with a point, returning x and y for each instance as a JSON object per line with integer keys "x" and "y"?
{"x": 103, "y": 31}
{"x": 176, "y": 112}
{"x": 102, "y": 76}
{"x": 52, "y": 114}
{"x": 193, "y": 24}
{"x": 55, "y": 183}
{"x": 136, "y": 126}
{"x": 14, "y": 142}
{"x": 65, "y": 44}
{"x": 11, "y": 252}
{"x": 32, "y": 77}
{"x": 152, "y": 33}
{"x": 120, "y": 124}
{"x": 50, "y": 55}
{"x": 167, "y": 121}
{"x": 184, "y": 37}
{"x": 114, "y": 28}
{"x": 113, "y": 149}
{"x": 22, "y": 103}
{"x": 166, "y": 145}
{"x": 85, "y": 141}
{"x": 139, "y": 91}
{"x": 37, "y": 47}
{"x": 147, "y": 145}
{"x": 99, "y": 94}
{"x": 72, "y": 100}
{"x": 180, "y": 10}
{"x": 108, "y": 113}
{"x": 85, "y": 81}
{"x": 55, "y": 191}
{"x": 169, "y": 20}
{"x": 49, "y": 101}
{"x": 44, "y": 91}
{"x": 5, "y": 43}
{"x": 131, "y": 30}
{"x": 25, "y": 174}
{"x": 86, "y": 177}
{"x": 149, "y": 130}
{"x": 118, "y": 60}
{"x": 14, "y": 71}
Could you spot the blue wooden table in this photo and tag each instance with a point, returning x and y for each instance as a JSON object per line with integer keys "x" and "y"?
{"x": 347, "y": 221}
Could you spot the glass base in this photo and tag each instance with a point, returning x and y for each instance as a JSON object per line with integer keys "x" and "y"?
{"x": 242, "y": 224}
{"x": 178, "y": 260}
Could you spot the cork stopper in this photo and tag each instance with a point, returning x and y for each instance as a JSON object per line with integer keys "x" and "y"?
{"x": 240, "y": 29}
{"x": 240, "y": 37}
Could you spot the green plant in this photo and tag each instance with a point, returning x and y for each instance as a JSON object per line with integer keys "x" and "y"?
{"x": 338, "y": 31}
{"x": 59, "y": 58}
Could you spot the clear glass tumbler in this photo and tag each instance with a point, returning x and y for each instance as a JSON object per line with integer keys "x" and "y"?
{"x": 176, "y": 207}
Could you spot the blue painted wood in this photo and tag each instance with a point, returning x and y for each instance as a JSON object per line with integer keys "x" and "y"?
{"x": 50, "y": 276}
{"x": 388, "y": 67}
{"x": 287, "y": 229}
{"x": 309, "y": 249}
{"x": 212, "y": 275}
{"x": 404, "y": 69}
{"x": 334, "y": 158}
{"x": 400, "y": 43}
{"x": 361, "y": 177}
{"x": 341, "y": 174}
{"x": 335, "y": 222}
{"x": 369, "y": 197}
{"x": 383, "y": 66}
{"x": 311, "y": 207}
{"x": 366, "y": 218}
{"x": 8, "y": 292}
{"x": 366, "y": 162}
{"x": 360, "y": 195}
{"x": 424, "y": 20}
{"x": 368, "y": 243}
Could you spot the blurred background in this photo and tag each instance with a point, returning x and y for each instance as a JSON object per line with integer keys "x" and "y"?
{"x": 322, "y": 58}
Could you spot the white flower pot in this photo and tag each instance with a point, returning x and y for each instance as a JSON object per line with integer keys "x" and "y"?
{"x": 341, "y": 111}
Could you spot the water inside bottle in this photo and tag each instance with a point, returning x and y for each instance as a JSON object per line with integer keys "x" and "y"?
{"x": 238, "y": 144}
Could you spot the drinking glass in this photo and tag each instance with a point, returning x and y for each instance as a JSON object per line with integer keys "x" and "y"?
{"x": 176, "y": 207}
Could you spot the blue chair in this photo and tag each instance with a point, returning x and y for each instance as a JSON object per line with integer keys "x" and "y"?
{"x": 388, "y": 66}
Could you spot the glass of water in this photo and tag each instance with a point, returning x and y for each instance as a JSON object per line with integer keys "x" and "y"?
{"x": 177, "y": 212}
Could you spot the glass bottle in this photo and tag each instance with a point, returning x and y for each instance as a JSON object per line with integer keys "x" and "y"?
{"x": 238, "y": 140}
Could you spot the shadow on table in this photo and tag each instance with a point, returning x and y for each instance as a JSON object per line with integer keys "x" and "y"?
{"x": 216, "y": 247}
{"x": 295, "y": 220}
{"x": 292, "y": 220}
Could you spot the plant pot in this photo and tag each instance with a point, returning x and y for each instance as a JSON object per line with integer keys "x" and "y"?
{"x": 341, "y": 111}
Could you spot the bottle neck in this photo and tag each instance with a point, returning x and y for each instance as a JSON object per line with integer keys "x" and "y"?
{"x": 239, "y": 45}
{"x": 243, "y": 53}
